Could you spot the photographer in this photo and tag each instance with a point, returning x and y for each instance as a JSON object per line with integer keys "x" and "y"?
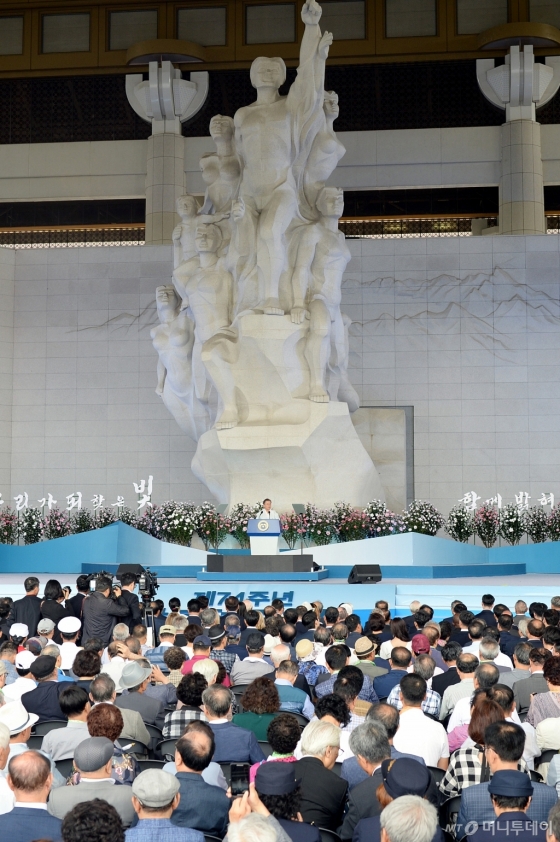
{"x": 101, "y": 609}
{"x": 128, "y": 584}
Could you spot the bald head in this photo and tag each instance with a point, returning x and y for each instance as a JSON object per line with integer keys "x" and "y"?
{"x": 29, "y": 776}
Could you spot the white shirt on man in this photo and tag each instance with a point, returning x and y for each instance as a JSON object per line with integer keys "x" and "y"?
{"x": 68, "y": 652}
{"x": 422, "y": 736}
{"x": 271, "y": 515}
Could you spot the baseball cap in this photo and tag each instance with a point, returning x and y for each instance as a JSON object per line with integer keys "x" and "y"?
{"x": 202, "y": 640}
{"x": 45, "y": 626}
{"x": 420, "y": 644}
{"x": 18, "y": 630}
{"x": 25, "y": 659}
{"x": 168, "y": 630}
{"x": 43, "y": 666}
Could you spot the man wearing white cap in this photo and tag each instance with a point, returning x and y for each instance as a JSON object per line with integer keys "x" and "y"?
{"x": 19, "y": 723}
{"x": 69, "y": 628}
{"x": 7, "y": 799}
{"x": 24, "y": 682}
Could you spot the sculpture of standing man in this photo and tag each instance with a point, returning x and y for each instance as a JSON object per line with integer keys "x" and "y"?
{"x": 270, "y": 134}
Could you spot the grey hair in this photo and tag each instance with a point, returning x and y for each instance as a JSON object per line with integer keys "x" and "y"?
{"x": 488, "y": 649}
{"x": 218, "y": 700}
{"x": 424, "y": 666}
{"x": 555, "y": 601}
{"x": 209, "y": 669}
{"x": 409, "y": 819}
{"x": 209, "y": 617}
{"x": 180, "y": 622}
{"x": 4, "y": 735}
{"x": 121, "y": 632}
{"x": 370, "y": 741}
{"x": 414, "y": 606}
{"x": 52, "y": 650}
{"x": 253, "y": 828}
{"x": 280, "y": 653}
{"x": 521, "y": 652}
{"x": 102, "y": 688}
{"x": 318, "y": 736}
{"x": 322, "y": 635}
{"x": 522, "y": 626}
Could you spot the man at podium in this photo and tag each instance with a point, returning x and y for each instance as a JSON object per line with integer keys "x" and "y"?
{"x": 267, "y": 512}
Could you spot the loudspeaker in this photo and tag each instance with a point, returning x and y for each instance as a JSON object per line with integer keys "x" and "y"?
{"x": 364, "y": 574}
{"x": 137, "y": 569}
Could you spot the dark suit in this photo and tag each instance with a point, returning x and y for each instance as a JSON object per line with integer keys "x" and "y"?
{"x": 237, "y": 649}
{"x": 76, "y": 603}
{"x": 383, "y": 684}
{"x": 518, "y": 826}
{"x": 362, "y": 804}
{"x": 440, "y": 683}
{"x": 536, "y": 644}
{"x": 44, "y": 700}
{"x": 323, "y": 793}
{"x": 488, "y": 616}
{"x": 151, "y": 710}
{"x": 300, "y": 831}
{"x": 194, "y": 620}
{"x": 100, "y": 615}
{"x": 27, "y": 611}
{"x": 508, "y": 642}
{"x": 245, "y": 634}
{"x": 476, "y": 805}
{"x": 134, "y": 615}
{"x": 202, "y": 806}
{"x": 461, "y": 636}
{"x": 235, "y": 744}
{"x": 523, "y": 689}
{"x": 24, "y": 824}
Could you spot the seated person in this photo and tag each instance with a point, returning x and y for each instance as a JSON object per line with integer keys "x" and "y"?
{"x": 233, "y": 744}
{"x": 189, "y": 694}
{"x": 283, "y": 735}
{"x": 260, "y": 703}
{"x": 280, "y": 792}
{"x": 202, "y": 806}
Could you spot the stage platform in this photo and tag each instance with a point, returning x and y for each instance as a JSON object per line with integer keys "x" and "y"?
{"x": 413, "y": 567}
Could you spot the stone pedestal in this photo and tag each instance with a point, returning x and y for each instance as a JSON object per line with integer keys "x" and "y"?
{"x": 521, "y": 183}
{"x": 320, "y": 460}
{"x": 165, "y": 182}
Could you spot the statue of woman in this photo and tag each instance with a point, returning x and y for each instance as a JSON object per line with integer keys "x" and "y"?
{"x": 185, "y": 255}
{"x": 220, "y": 169}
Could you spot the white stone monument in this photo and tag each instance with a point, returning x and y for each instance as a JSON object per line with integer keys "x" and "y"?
{"x": 253, "y": 346}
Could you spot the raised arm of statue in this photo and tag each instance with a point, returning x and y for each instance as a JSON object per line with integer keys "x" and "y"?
{"x": 304, "y": 90}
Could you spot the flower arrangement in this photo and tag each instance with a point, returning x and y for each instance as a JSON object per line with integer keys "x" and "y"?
{"x": 213, "y": 530}
{"x": 8, "y": 526}
{"x": 342, "y": 510}
{"x": 82, "y": 521}
{"x": 487, "y": 523}
{"x": 375, "y": 508}
{"x": 385, "y": 522}
{"x": 321, "y": 525}
{"x": 177, "y": 523}
{"x": 460, "y": 524}
{"x": 294, "y": 528}
{"x": 354, "y": 527}
{"x": 56, "y": 524}
{"x": 536, "y": 524}
{"x": 204, "y": 511}
{"x": 129, "y": 517}
{"x": 31, "y": 526}
{"x": 423, "y": 518}
{"x": 512, "y": 524}
{"x": 105, "y": 516}
{"x": 239, "y": 516}
{"x": 553, "y": 523}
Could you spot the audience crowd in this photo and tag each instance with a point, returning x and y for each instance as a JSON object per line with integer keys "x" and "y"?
{"x": 303, "y": 724}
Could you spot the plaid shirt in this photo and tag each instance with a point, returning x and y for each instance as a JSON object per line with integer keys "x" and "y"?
{"x": 227, "y": 659}
{"x": 176, "y": 722}
{"x": 430, "y": 705}
{"x": 464, "y": 770}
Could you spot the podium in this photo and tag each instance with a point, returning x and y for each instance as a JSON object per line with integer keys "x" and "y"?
{"x": 264, "y": 535}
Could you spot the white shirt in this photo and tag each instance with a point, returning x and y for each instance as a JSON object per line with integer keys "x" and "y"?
{"x": 501, "y": 659}
{"x": 114, "y": 670}
{"x": 271, "y": 515}
{"x": 420, "y": 735}
{"x": 14, "y": 692}
{"x": 531, "y": 749}
{"x": 7, "y": 797}
{"x": 68, "y": 652}
{"x": 388, "y": 645}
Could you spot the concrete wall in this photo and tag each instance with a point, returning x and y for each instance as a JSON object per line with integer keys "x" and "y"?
{"x": 374, "y": 160}
{"x": 465, "y": 330}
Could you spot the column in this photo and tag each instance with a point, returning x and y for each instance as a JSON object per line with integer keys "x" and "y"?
{"x": 521, "y": 182}
{"x": 165, "y": 182}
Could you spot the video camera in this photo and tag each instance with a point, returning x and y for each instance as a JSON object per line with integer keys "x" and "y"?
{"x": 147, "y": 585}
{"x": 102, "y": 574}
